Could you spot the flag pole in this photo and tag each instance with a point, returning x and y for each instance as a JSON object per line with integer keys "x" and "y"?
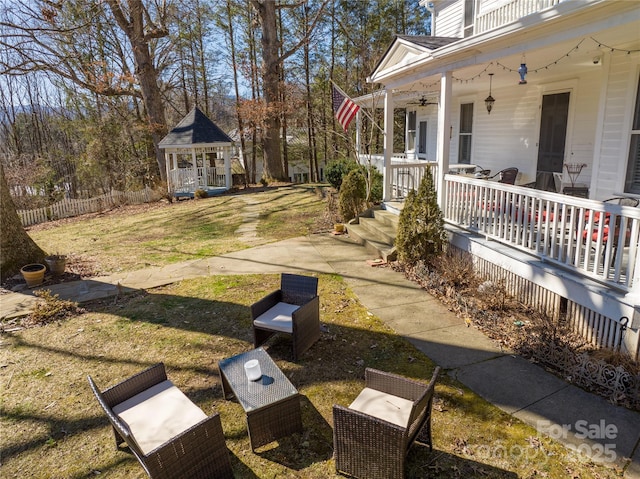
{"x": 361, "y": 108}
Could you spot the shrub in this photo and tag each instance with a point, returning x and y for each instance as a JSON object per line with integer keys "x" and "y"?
{"x": 353, "y": 192}
{"x": 337, "y": 170}
{"x": 376, "y": 185}
{"x": 421, "y": 234}
{"x": 200, "y": 193}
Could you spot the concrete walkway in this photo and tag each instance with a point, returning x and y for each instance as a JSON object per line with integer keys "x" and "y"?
{"x": 567, "y": 413}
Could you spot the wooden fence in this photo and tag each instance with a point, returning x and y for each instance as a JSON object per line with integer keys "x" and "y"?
{"x": 70, "y": 207}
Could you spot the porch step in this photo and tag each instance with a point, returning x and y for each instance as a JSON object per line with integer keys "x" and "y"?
{"x": 376, "y": 230}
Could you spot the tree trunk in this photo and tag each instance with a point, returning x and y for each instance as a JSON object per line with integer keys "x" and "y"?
{"x": 16, "y": 246}
{"x": 134, "y": 28}
{"x": 271, "y": 88}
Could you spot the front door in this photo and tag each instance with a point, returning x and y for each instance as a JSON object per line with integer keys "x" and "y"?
{"x": 553, "y": 136}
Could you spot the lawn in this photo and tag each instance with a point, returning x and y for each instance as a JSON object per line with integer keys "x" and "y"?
{"x": 52, "y": 427}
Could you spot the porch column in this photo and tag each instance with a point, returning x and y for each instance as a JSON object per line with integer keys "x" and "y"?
{"x": 226, "y": 153}
{"x": 388, "y": 144}
{"x": 444, "y": 140}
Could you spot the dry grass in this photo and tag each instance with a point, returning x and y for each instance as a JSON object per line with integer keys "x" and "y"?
{"x": 134, "y": 237}
{"x": 53, "y": 427}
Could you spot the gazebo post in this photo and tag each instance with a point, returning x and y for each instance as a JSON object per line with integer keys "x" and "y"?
{"x": 194, "y": 171}
{"x": 167, "y": 157}
{"x": 227, "y": 167}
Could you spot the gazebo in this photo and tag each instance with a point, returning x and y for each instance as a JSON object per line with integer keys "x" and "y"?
{"x": 198, "y": 156}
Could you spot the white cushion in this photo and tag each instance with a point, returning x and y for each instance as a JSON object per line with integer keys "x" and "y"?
{"x": 277, "y": 318}
{"x": 157, "y": 415}
{"x": 385, "y": 406}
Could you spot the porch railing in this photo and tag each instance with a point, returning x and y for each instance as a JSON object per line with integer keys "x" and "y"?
{"x": 188, "y": 180}
{"x": 510, "y": 12}
{"x": 595, "y": 239}
{"x": 407, "y": 176}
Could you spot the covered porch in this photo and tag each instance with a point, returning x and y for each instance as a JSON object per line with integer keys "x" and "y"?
{"x": 553, "y": 94}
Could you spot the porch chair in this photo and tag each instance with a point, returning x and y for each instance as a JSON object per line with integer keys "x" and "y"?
{"x": 169, "y": 435}
{"x": 294, "y": 309}
{"x": 508, "y": 176}
{"x": 372, "y": 436}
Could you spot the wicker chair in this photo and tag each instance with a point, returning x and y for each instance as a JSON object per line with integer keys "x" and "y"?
{"x": 168, "y": 434}
{"x": 372, "y": 437}
{"x": 294, "y": 309}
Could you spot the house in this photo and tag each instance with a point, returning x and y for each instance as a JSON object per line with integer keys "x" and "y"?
{"x": 198, "y": 156}
{"x": 298, "y": 155}
{"x": 551, "y": 88}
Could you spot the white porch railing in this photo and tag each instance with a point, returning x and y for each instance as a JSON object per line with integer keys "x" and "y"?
{"x": 510, "y": 12}
{"x": 595, "y": 239}
{"x": 188, "y": 180}
{"x": 407, "y": 176}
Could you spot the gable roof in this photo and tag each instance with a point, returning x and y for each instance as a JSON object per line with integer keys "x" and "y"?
{"x": 194, "y": 129}
{"x": 405, "y": 47}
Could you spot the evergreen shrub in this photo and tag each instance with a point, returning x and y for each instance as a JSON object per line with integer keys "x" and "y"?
{"x": 352, "y": 196}
{"x": 421, "y": 235}
{"x": 337, "y": 170}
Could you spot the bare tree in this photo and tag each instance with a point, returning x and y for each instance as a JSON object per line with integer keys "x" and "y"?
{"x": 271, "y": 75}
{"x": 56, "y": 37}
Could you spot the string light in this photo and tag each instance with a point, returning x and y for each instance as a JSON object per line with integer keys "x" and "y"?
{"x": 526, "y": 70}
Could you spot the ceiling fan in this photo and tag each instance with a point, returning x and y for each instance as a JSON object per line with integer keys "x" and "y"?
{"x": 423, "y": 101}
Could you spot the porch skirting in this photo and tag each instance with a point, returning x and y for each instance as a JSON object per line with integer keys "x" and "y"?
{"x": 592, "y": 310}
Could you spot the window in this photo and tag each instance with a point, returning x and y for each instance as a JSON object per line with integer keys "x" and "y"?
{"x": 466, "y": 122}
{"x": 422, "y": 138}
{"x": 469, "y": 17}
{"x": 411, "y": 131}
{"x": 632, "y": 183}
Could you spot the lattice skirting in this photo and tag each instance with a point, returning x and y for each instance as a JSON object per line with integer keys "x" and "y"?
{"x": 602, "y": 332}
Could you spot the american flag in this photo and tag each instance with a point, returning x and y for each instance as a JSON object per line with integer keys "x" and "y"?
{"x": 344, "y": 108}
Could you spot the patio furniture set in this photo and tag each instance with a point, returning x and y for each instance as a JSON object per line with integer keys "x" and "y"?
{"x": 172, "y": 437}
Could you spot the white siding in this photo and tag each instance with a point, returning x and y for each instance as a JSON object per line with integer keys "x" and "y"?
{"x": 449, "y": 18}
{"x": 430, "y": 115}
{"x": 509, "y": 135}
{"x": 616, "y": 123}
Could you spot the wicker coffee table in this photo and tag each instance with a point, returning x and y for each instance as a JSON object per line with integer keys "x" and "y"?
{"x": 272, "y": 403}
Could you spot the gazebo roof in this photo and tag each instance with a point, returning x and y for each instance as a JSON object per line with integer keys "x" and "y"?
{"x": 194, "y": 129}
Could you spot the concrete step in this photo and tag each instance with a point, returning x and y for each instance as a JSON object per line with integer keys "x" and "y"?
{"x": 377, "y": 248}
{"x": 376, "y": 230}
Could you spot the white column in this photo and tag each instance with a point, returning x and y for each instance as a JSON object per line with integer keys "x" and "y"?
{"x": 444, "y": 140}
{"x": 167, "y": 159}
{"x": 226, "y": 153}
{"x": 388, "y": 144}
{"x": 194, "y": 170}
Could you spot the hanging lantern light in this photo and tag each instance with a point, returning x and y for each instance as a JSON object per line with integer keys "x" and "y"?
{"x": 489, "y": 101}
{"x": 523, "y": 71}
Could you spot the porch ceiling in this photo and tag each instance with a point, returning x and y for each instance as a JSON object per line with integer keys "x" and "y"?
{"x": 566, "y": 58}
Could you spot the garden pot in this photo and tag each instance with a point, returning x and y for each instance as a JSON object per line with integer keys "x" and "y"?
{"x": 338, "y": 227}
{"x": 56, "y": 264}
{"x": 33, "y": 274}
